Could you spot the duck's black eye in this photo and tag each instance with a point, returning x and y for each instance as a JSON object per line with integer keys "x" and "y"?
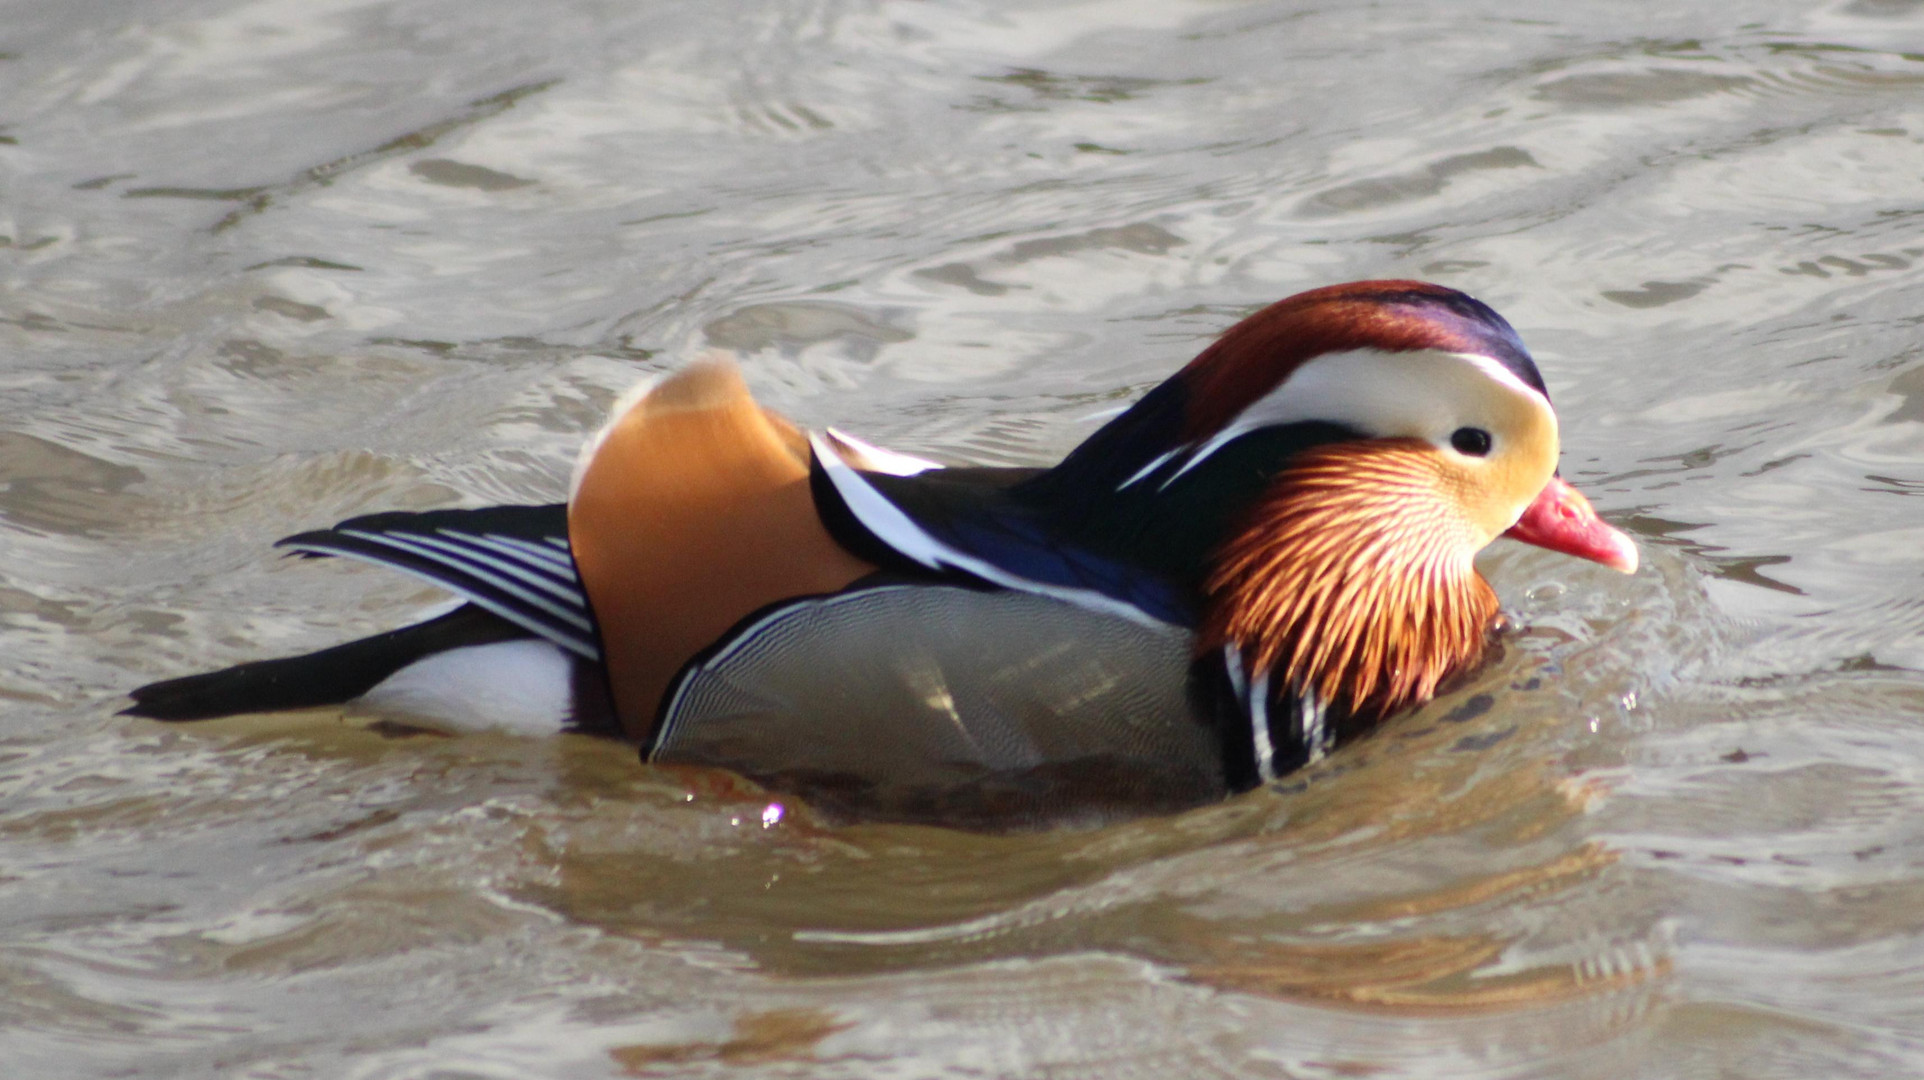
{"x": 1473, "y": 441}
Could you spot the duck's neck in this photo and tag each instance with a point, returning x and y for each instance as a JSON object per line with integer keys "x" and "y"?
{"x": 1124, "y": 494}
{"x": 1351, "y": 578}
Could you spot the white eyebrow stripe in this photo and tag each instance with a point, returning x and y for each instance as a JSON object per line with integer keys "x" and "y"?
{"x": 1379, "y": 393}
{"x": 1497, "y": 371}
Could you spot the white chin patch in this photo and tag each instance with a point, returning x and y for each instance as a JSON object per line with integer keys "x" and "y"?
{"x": 521, "y": 687}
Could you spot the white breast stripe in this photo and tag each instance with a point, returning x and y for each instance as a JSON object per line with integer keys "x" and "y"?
{"x": 896, "y": 529}
{"x": 889, "y": 524}
{"x": 1255, "y": 703}
{"x": 1233, "y": 663}
{"x": 1315, "y": 730}
{"x": 1259, "y": 727}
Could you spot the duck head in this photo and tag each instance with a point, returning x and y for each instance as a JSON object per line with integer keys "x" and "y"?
{"x": 1346, "y": 452}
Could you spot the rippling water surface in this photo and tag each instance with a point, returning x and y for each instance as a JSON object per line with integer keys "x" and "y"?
{"x": 267, "y": 264}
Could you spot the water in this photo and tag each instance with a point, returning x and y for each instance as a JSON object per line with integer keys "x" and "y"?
{"x": 270, "y": 264}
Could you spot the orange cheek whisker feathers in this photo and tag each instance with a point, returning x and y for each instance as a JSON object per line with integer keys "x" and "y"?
{"x": 1351, "y": 578}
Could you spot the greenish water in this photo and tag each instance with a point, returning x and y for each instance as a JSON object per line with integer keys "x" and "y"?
{"x": 265, "y": 265}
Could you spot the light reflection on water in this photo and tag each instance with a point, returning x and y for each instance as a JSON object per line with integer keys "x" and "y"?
{"x": 269, "y": 264}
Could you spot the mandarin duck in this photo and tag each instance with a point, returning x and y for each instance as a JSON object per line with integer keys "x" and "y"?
{"x": 1261, "y": 558}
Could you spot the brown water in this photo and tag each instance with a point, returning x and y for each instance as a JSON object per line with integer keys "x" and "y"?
{"x": 269, "y": 264}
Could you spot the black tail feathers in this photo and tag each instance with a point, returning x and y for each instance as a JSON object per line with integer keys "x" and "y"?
{"x": 328, "y": 677}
